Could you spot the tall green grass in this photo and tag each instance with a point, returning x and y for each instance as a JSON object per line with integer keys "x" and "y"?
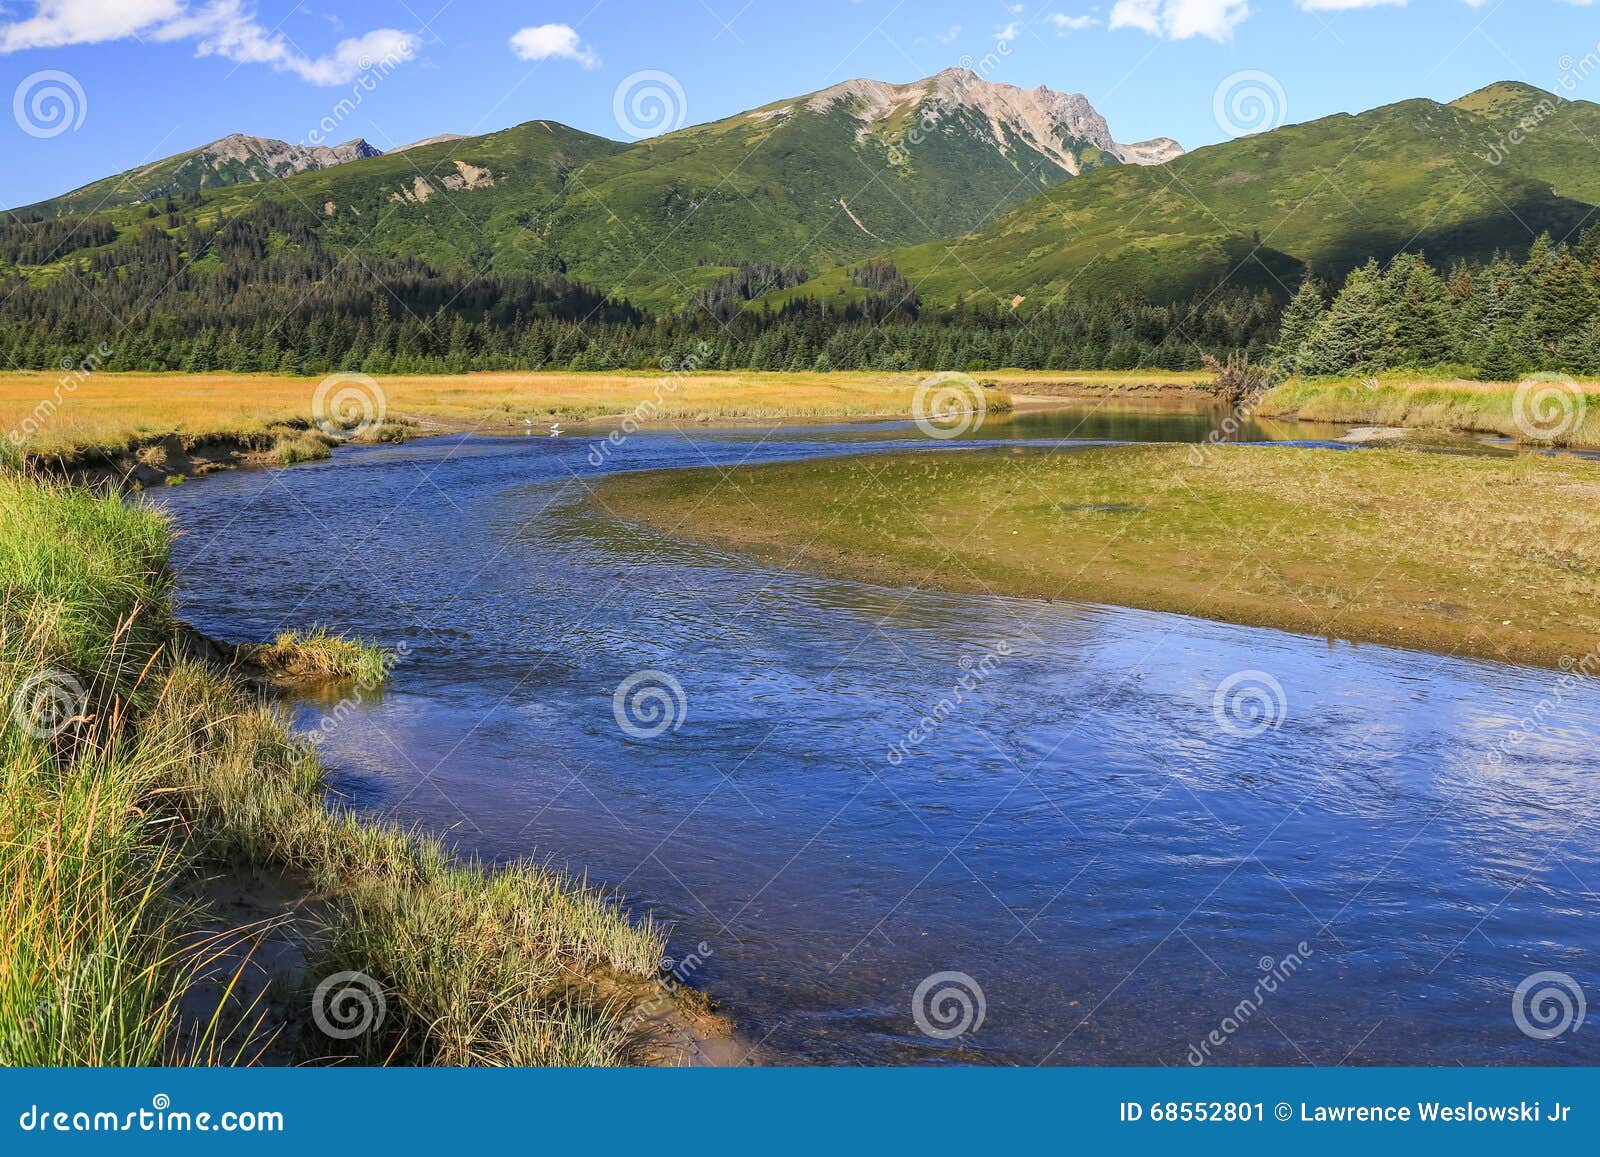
{"x": 163, "y": 773}
{"x": 1397, "y": 400}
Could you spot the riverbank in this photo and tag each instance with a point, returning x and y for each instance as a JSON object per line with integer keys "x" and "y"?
{"x": 177, "y": 888}
{"x": 154, "y": 426}
{"x": 1492, "y": 557}
{"x": 1554, "y": 412}
{"x": 1134, "y": 386}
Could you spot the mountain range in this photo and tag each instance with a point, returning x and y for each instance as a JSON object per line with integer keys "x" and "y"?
{"x": 976, "y": 191}
{"x": 1487, "y": 172}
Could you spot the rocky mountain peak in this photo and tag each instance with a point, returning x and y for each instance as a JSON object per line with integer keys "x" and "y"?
{"x": 1054, "y": 124}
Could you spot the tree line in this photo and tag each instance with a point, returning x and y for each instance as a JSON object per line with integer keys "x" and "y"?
{"x": 1499, "y": 320}
{"x": 262, "y": 292}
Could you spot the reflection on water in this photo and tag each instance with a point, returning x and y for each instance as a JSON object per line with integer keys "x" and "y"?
{"x": 1072, "y": 829}
{"x": 1154, "y": 420}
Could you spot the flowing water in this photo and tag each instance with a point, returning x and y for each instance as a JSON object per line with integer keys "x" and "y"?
{"x": 1354, "y": 854}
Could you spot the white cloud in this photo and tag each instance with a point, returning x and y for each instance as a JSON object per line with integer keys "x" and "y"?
{"x": 1216, "y": 19}
{"x": 1181, "y": 19}
{"x": 547, "y": 41}
{"x": 1066, "y": 24}
{"x": 1350, "y": 5}
{"x": 56, "y": 23}
{"x": 224, "y": 28}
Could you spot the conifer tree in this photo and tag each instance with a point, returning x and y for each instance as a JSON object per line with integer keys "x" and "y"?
{"x": 1300, "y": 321}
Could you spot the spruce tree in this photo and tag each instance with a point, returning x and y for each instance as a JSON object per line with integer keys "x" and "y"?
{"x": 1300, "y": 320}
{"x": 1420, "y": 312}
{"x": 1356, "y": 335}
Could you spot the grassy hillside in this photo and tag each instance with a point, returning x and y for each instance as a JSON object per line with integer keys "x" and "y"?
{"x": 759, "y": 187}
{"x": 234, "y": 160}
{"x": 480, "y": 202}
{"x": 656, "y": 220}
{"x": 1330, "y": 193}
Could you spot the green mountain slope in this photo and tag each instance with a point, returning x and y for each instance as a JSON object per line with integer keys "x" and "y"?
{"x": 1329, "y": 193}
{"x": 233, "y": 160}
{"x": 824, "y": 179}
{"x": 484, "y": 203}
{"x": 829, "y": 178}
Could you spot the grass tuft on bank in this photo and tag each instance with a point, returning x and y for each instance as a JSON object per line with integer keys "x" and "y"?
{"x": 321, "y": 654}
{"x": 130, "y": 776}
{"x": 1561, "y": 412}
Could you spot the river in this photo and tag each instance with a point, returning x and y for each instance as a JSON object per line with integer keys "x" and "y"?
{"x": 1121, "y": 837}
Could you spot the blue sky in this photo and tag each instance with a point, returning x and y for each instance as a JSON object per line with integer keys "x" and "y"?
{"x": 142, "y": 79}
